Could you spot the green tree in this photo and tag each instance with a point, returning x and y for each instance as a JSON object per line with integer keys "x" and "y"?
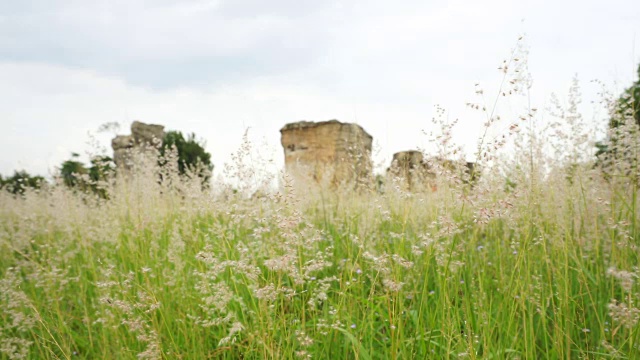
{"x": 71, "y": 171}
{"x": 620, "y": 149}
{"x": 191, "y": 152}
{"x": 77, "y": 175}
{"x": 20, "y": 181}
{"x": 101, "y": 168}
{"x": 628, "y": 104}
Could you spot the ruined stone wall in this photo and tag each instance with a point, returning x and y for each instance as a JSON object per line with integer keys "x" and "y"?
{"x": 411, "y": 170}
{"x": 141, "y": 135}
{"x": 328, "y": 151}
{"x": 417, "y": 173}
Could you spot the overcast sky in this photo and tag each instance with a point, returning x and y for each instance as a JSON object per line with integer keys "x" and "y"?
{"x": 219, "y": 67}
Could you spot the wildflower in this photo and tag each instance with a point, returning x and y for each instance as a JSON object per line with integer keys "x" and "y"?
{"x": 626, "y": 315}
{"x": 393, "y": 286}
{"x": 626, "y": 278}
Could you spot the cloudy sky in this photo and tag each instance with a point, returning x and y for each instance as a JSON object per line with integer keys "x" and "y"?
{"x": 218, "y": 67}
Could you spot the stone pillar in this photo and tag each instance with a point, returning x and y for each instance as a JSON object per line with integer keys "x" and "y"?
{"x": 141, "y": 135}
{"x": 327, "y": 152}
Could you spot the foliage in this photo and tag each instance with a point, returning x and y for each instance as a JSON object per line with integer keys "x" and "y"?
{"x": 75, "y": 174}
{"x": 623, "y": 110}
{"x": 628, "y": 105}
{"x": 620, "y": 146}
{"x": 20, "y": 181}
{"x": 101, "y": 168}
{"x": 71, "y": 170}
{"x": 191, "y": 152}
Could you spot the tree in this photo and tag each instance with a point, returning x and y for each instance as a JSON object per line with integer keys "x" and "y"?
{"x": 102, "y": 168}
{"x": 191, "y": 152}
{"x": 20, "y": 181}
{"x": 628, "y": 105}
{"x": 71, "y": 170}
{"x": 618, "y": 154}
{"x": 75, "y": 174}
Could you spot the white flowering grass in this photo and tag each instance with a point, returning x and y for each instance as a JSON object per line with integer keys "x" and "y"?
{"x": 538, "y": 259}
{"x": 433, "y": 275}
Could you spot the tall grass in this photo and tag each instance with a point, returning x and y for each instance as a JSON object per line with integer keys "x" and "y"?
{"x": 537, "y": 259}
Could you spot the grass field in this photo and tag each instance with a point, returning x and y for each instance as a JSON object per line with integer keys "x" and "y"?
{"x": 544, "y": 268}
{"x": 536, "y": 260}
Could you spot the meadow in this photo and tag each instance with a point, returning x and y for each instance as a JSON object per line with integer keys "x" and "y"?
{"x": 537, "y": 259}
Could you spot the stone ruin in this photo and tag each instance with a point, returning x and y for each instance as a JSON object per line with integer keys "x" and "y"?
{"x": 411, "y": 169}
{"x": 329, "y": 152}
{"x": 416, "y": 173}
{"x": 141, "y": 135}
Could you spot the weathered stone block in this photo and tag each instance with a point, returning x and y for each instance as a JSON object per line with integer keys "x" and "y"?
{"x": 327, "y": 151}
{"x": 149, "y": 134}
{"x": 411, "y": 169}
{"x": 141, "y": 135}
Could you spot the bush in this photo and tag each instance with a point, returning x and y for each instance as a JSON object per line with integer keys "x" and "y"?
{"x": 20, "y": 181}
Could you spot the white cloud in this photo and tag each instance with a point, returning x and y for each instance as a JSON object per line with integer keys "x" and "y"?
{"x": 217, "y": 67}
{"x": 50, "y": 125}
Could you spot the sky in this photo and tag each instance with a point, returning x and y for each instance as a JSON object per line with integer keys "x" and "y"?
{"x": 219, "y": 68}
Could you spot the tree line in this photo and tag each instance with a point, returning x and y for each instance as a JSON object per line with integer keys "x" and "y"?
{"x": 75, "y": 174}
